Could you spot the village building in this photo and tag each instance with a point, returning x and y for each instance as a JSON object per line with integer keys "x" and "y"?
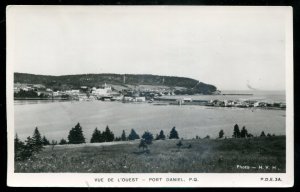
{"x": 102, "y": 91}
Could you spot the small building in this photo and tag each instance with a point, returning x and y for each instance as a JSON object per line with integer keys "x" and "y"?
{"x": 282, "y": 105}
{"x": 56, "y": 93}
{"x": 39, "y": 86}
{"x": 126, "y": 98}
{"x": 187, "y": 100}
{"x": 140, "y": 99}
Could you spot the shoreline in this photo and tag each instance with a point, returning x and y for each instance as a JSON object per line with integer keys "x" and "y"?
{"x": 159, "y": 102}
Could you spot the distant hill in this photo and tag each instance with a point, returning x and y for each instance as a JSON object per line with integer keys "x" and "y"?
{"x": 95, "y": 80}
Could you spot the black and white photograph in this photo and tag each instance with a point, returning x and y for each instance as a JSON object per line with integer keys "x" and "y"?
{"x": 154, "y": 96}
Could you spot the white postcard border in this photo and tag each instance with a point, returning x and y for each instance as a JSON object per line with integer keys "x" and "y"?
{"x": 203, "y": 179}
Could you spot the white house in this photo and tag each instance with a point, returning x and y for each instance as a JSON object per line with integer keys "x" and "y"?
{"x": 102, "y": 91}
{"x": 140, "y": 99}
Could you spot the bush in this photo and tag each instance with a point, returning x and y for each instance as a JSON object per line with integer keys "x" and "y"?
{"x": 174, "y": 134}
{"x": 75, "y": 135}
{"x": 262, "y": 134}
{"x": 117, "y": 138}
{"x": 133, "y": 135}
{"x": 143, "y": 144}
{"x": 53, "y": 142}
{"x": 148, "y": 137}
{"x": 207, "y": 137}
{"x": 27, "y": 150}
{"x": 63, "y": 142}
{"x": 179, "y": 144}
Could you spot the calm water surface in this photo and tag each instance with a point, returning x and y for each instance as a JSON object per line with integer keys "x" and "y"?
{"x": 55, "y": 119}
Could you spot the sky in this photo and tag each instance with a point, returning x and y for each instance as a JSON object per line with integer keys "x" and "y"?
{"x": 233, "y": 48}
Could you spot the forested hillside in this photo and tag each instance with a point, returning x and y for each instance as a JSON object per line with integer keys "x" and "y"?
{"x": 91, "y": 80}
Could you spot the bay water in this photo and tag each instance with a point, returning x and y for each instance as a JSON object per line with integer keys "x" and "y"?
{"x": 55, "y": 119}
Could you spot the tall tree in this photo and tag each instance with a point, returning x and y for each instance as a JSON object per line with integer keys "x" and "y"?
{"x": 29, "y": 148}
{"x": 19, "y": 147}
{"x": 123, "y": 136}
{"x": 244, "y": 132}
{"x": 18, "y": 143}
{"x": 45, "y": 141}
{"x": 75, "y": 135}
{"x": 37, "y": 140}
{"x": 221, "y": 134}
{"x": 262, "y": 134}
{"x": 174, "y": 134}
{"x": 108, "y": 135}
{"x": 133, "y": 135}
{"x": 97, "y": 137}
{"x": 160, "y": 136}
{"x": 236, "y": 131}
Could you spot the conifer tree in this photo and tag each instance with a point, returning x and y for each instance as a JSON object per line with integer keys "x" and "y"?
{"x": 161, "y": 135}
{"x": 45, "y": 141}
{"x": 97, "y": 137}
{"x": 19, "y": 147}
{"x": 37, "y": 140}
{"x": 221, "y": 134}
{"x": 75, "y": 135}
{"x": 123, "y": 136}
{"x": 18, "y": 143}
{"x": 133, "y": 135}
{"x": 244, "y": 132}
{"x": 29, "y": 148}
{"x": 108, "y": 135}
{"x": 262, "y": 134}
{"x": 236, "y": 131}
{"x": 174, "y": 134}
{"x": 157, "y": 137}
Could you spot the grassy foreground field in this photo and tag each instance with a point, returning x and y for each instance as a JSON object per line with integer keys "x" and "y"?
{"x": 205, "y": 156}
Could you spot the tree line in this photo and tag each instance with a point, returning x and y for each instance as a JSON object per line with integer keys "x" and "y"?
{"x": 243, "y": 133}
{"x": 33, "y": 145}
